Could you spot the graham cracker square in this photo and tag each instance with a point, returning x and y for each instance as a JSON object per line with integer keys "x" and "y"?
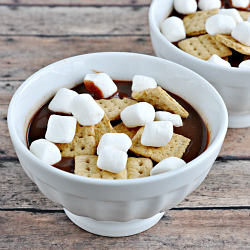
{"x": 86, "y": 165}
{"x": 138, "y": 167}
{"x": 234, "y": 44}
{"x": 160, "y": 99}
{"x": 176, "y": 147}
{"x": 195, "y": 23}
{"x": 130, "y": 132}
{"x": 244, "y": 14}
{"x": 114, "y": 106}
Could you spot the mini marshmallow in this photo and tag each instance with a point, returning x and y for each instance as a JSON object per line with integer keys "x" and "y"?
{"x": 245, "y": 64}
{"x": 217, "y": 60}
{"x": 157, "y": 133}
{"x": 209, "y": 4}
{"x": 167, "y": 116}
{"x": 241, "y": 33}
{"x": 112, "y": 159}
{"x": 233, "y": 13}
{"x": 62, "y": 99}
{"x": 86, "y": 111}
{"x": 138, "y": 114}
{"x": 173, "y": 29}
{"x": 167, "y": 165}
{"x": 46, "y": 151}
{"x": 240, "y": 3}
{"x": 185, "y": 7}
{"x": 116, "y": 140}
{"x": 100, "y": 83}
{"x": 61, "y": 129}
{"x": 220, "y": 24}
{"x": 143, "y": 82}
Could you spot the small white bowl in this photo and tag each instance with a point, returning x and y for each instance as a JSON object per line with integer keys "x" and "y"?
{"x": 116, "y": 207}
{"x": 233, "y": 84}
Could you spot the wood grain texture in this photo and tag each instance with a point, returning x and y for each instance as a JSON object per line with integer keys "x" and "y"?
{"x": 23, "y": 56}
{"x": 209, "y": 229}
{"x": 65, "y": 21}
{"x": 76, "y": 2}
{"x": 230, "y": 189}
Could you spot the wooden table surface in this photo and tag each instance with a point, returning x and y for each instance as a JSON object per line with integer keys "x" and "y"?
{"x": 34, "y": 34}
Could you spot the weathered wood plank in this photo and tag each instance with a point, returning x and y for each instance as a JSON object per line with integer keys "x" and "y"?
{"x": 23, "y": 56}
{"x": 76, "y": 2}
{"x": 226, "y": 185}
{"x": 61, "y": 21}
{"x": 209, "y": 229}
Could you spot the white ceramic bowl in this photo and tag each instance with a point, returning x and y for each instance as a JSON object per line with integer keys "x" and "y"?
{"x": 116, "y": 207}
{"x": 233, "y": 84}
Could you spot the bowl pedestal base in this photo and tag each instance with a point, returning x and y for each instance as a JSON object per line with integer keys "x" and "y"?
{"x": 238, "y": 121}
{"x": 113, "y": 228}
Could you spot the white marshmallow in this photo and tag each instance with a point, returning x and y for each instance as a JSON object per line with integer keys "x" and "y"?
{"x": 185, "y": 6}
{"x": 143, "y": 82}
{"x": 61, "y": 129}
{"x": 245, "y": 64}
{"x": 167, "y": 165}
{"x": 116, "y": 140}
{"x": 220, "y": 24}
{"x": 248, "y": 19}
{"x": 138, "y": 114}
{"x": 217, "y": 60}
{"x": 167, "y": 116}
{"x": 240, "y": 3}
{"x": 46, "y": 151}
{"x": 157, "y": 134}
{"x": 112, "y": 159}
{"x": 86, "y": 111}
{"x": 242, "y": 33}
{"x": 101, "y": 81}
{"x": 209, "y": 4}
{"x": 233, "y": 13}
{"x": 173, "y": 29}
{"x": 61, "y": 101}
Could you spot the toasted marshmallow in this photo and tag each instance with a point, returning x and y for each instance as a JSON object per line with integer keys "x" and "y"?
{"x": 138, "y": 114}
{"x": 233, "y": 13}
{"x": 86, "y": 111}
{"x": 62, "y": 99}
{"x": 185, "y": 7}
{"x": 173, "y": 29}
{"x": 101, "y": 84}
{"x": 217, "y": 60}
{"x": 209, "y": 4}
{"x": 46, "y": 151}
{"x": 143, "y": 82}
{"x": 167, "y": 116}
{"x": 116, "y": 140}
{"x": 240, "y": 3}
{"x": 167, "y": 165}
{"x": 61, "y": 129}
{"x": 220, "y": 24}
{"x": 245, "y": 64}
{"x": 242, "y": 33}
{"x": 157, "y": 133}
{"x": 112, "y": 159}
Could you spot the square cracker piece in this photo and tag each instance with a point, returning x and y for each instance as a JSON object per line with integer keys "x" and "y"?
{"x": 86, "y": 165}
{"x": 244, "y": 14}
{"x": 176, "y": 147}
{"x": 130, "y": 132}
{"x": 138, "y": 167}
{"x": 195, "y": 23}
{"x": 160, "y": 99}
{"x": 234, "y": 44}
{"x": 114, "y": 106}
{"x": 84, "y": 142}
{"x": 204, "y": 47}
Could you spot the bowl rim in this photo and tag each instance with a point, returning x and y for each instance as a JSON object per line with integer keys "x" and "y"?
{"x": 153, "y": 25}
{"x": 213, "y": 146}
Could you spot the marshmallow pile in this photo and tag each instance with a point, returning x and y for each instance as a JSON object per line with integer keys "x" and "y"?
{"x": 112, "y": 150}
